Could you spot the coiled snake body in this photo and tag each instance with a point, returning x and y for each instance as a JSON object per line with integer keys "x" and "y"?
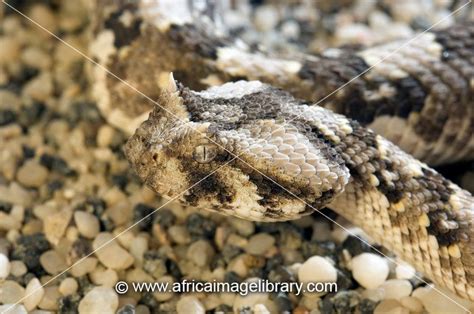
{"x": 277, "y": 157}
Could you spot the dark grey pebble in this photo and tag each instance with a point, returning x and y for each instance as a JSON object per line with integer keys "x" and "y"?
{"x": 200, "y": 227}
{"x": 143, "y": 214}
{"x": 69, "y": 304}
{"x": 223, "y": 309}
{"x": 126, "y": 309}
{"x": 57, "y": 164}
{"x": 232, "y": 276}
{"x": 322, "y": 248}
{"x": 283, "y": 303}
{"x": 165, "y": 218}
{"x": 230, "y": 251}
{"x": 355, "y": 246}
{"x": 281, "y": 274}
{"x": 345, "y": 301}
{"x": 28, "y": 249}
{"x": 5, "y": 206}
{"x": 367, "y": 306}
{"x": 7, "y": 117}
{"x": 154, "y": 265}
{"x": 344, "y": 280}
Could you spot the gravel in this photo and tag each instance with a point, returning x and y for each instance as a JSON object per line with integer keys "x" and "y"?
{"x": 66, "y": 188}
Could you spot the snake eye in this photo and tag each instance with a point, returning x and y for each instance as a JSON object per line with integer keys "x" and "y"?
{"x": 205, "y": 153}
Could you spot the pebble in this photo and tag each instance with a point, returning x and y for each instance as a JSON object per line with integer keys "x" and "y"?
{"x": 111, "y": 254}
{"x": 5, "y": 266}
{"x": 436, "y": 303}
{"x": 105, "y": 135}
{"x": 87, "y": 224}
{"x": 13, "y": 309}
{"x": 32, "y": 174}
{"x": 53, "y": 262}
{"x": 11, "y": 292}
{"x": 390, "y": 307}
{"x": 317, "y": 269}
{"x": 68, "y": 286}
{"x": 40, "y": 88}
{"x": 370, "y": 270}
{"x": 266, "y": 18}
{"x": 18, "y": 268}
{"x": 33, "y": 294}
{"x": 83, "y": 267}
{"x": 106, "y": 278}
{"x": 55, "y": 225}
{"x": 188, "y": 304}
{"x": 99, "y": 300}
{"x": 260, "y": 244}
{"x": 201, "y": 253}
{"x": 412, "y": 304}
{"x": 50, "y": 298}
{"x": 10, "y": 50}
{"x": 404, "y": 271}
{"x": 396, "y": 288}
{"x": 179, "y": 234}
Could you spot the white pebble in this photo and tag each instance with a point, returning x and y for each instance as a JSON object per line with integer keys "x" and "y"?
{"x": 370, "y": 270}
{"x": 266, "y": 18}
{"x": 188, "y": 304}
{"x": 317, "y": 269}
{"x": 259, "y": 244}
{"x": 99, "y": 300}
{"x": 396, "y": 289}
{"x": 13, "y": 309}
{"x": 404, "y": 271}
{"x": 5, "y": 266}
{"x": 33, "y": 294}
{"x": 87, "y": 224}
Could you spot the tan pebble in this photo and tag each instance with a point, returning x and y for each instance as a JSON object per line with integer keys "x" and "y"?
{"x": 110, "y": 253}
{"x": 68, "y": 286}
{"x": 11, "y": 292}
{"x": 33, "y": 294}
{"x": 10, "y": 50}
{"x": 40, "y": 88}
{"x": 179, "y": 234}
{"x": 32, "y": 174}
{"x": 412, "y": 304}
{"x": 138, "y": 247}
{"x": 259, "y": 244}
{"x": 42, "y": 15}
{"x": 396, "y": 288}
{"x": 50, "y": 298}
{"x": 99, "y": 300}
{"x": 105, "y": 135}
{"x": 53, "y": 262}
{"x": 142, "y": 309}
{"x": 87, "y": 224}
{"x": 390, "y": 307}
{"x": 201, "y": 253}
{"x": 31, "y": 227}
{"x": 8, "y": 223}
{"x": 56, "y": 224}
{"x": 83, "y": 267}
{"x": 104, "y": 277}
{"x": 18, "y": 268}
{"x": 188, "y": 304}
{"x": 36, "y": 58}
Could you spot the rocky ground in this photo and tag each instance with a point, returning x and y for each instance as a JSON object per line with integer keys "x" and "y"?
{"x": 66, "y": 189}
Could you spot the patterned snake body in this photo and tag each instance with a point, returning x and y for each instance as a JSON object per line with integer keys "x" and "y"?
{"x": 277, "y": 157}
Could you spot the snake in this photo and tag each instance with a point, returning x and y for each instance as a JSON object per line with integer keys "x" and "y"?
{"x": 268, "y": 138}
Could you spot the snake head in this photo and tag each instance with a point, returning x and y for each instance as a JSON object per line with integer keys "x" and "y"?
{"x": 241, "y": 149}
